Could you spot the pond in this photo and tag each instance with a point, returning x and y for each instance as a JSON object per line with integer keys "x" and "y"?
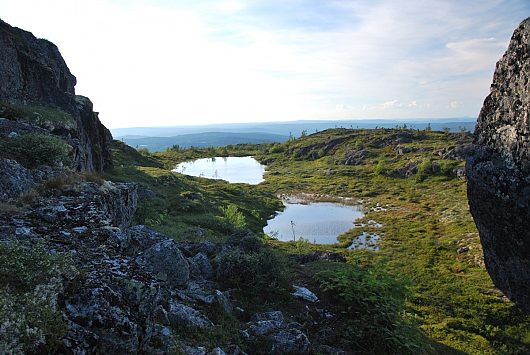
{"x": 232, "y": 169}
{"x": 318, "y": 222}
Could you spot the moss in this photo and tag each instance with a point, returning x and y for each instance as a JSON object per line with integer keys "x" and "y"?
{"x": 30, "y": 282}
{"x": 45, "y": 117}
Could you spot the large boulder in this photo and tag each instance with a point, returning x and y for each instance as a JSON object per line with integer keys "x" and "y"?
{"x": 498, "y": 172}
{"x": 166, "y": 261}
{"x": 14, "y": 179}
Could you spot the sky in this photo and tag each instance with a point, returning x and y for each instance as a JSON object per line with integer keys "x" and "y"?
{"x": 165, "y": 63}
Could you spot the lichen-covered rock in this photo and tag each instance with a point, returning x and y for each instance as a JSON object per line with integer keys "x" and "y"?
{"x": 200, "y": 266}
{"x": 290, "y": 341}
{"x": 182, "y": 315}
{"x": 498, "y": 172}
{"x": 118, "y": 202}
{"x": 280, "y": 336}
{"x": 165, "y": 260}
{"x": 14, "y": 179}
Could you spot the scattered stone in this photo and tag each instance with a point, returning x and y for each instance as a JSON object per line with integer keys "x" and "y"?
{"x": 190, "y": 350}
{"x": 182, "y": 315}
{"x": 304, "y": 294}
{"x": 462, "y": 250}
{"x": 80, "y": 230}
{"x": 290, "y": 341}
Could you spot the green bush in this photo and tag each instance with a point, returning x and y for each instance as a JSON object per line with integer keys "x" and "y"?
{"x": 381, "y": 167}
{"x": 29, "y": 284}
{"x": 234, "y": 217}
{"x": 257, "y": 270}
{"x": 372, "y": 305}
{"x": 34, "y": 149}
{"x": 424, "y": 169}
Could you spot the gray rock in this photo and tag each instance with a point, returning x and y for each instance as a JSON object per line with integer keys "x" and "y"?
{"x": 262, "y": 327}
{"x": 218, "y": 351}
{"x": 329, "y": 350}
{"x": 498, "y": 172}
{"x": 142, "y": 238}
{"x": 118, "y": 201}
{"x": 182, "y": 315}
{"x": 200, "y": 266}
{"x": 290, "y": 341}
{"x": 304, "y": 294}
{"x": 191, "y": 350}
{"x": 14, "y": 179}
{"x": 166, "y": 261}
{"x": 274, "y": 316}
{"x": 222, "y": 300}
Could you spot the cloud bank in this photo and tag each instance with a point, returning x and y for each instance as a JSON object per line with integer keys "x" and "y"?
{"x": 146, "y": 63}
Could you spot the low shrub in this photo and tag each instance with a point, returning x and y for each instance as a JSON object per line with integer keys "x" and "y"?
{"x": 34, "y": 149}
{"x": 255, "y": 270}
{"x": 372, "y": 307}
{"x": 234, "y": 217}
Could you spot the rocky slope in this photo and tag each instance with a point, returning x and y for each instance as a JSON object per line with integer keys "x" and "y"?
{"x": 499, "y": 172}
{"x": 33, "y": 74}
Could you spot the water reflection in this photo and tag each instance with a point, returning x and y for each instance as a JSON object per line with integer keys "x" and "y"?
{"x": 232, "y": 169}
{"x": 318, "y": 222}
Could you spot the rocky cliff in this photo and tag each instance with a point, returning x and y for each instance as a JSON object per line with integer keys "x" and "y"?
{"x": 499, "y": 172}
{"x": 34, "y": 75}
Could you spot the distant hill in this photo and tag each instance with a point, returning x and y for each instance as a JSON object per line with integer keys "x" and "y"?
{"x": 206, "y": 139}
{"x": 294, "y": 128}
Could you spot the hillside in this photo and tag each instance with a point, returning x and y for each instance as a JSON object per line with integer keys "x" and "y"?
{"x": 429, "y": 238}
{"x": 295, "y": 128}
{"x": 206, "y": 139}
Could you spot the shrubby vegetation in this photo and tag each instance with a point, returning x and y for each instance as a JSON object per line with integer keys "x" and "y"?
{"x": 252, "y": 267}
{"x": 30, "y": 280}
{"x": 34, "y": 149}
{"x": 426, "y": 219}
{"x": 372, "y": 304}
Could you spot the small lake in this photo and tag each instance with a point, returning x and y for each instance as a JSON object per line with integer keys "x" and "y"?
{"x": 318, "y": 222}
{"x": 232, "y": 169}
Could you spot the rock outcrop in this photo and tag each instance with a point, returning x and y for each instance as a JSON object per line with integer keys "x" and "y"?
{"x": 498, "y": 172}
{"x": 132, "y": 285}
{"x": 33, "y": 73}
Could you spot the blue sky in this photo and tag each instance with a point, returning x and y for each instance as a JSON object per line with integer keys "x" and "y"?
{"x": 161, "y": 62}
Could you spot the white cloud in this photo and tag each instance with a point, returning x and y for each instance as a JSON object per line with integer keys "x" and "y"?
{"x": 145, "y": 63}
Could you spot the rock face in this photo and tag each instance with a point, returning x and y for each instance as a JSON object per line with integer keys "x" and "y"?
{"x": 33, "y": 72}
{"x": 498, "y": 172}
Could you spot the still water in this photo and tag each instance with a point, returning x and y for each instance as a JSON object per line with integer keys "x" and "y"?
{"x": 318, "y": 222}
{"x": 232, "y": 169}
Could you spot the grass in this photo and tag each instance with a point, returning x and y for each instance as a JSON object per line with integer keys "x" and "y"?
{"x": 45, "y": 117}
{"x": 450, "y": 297}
